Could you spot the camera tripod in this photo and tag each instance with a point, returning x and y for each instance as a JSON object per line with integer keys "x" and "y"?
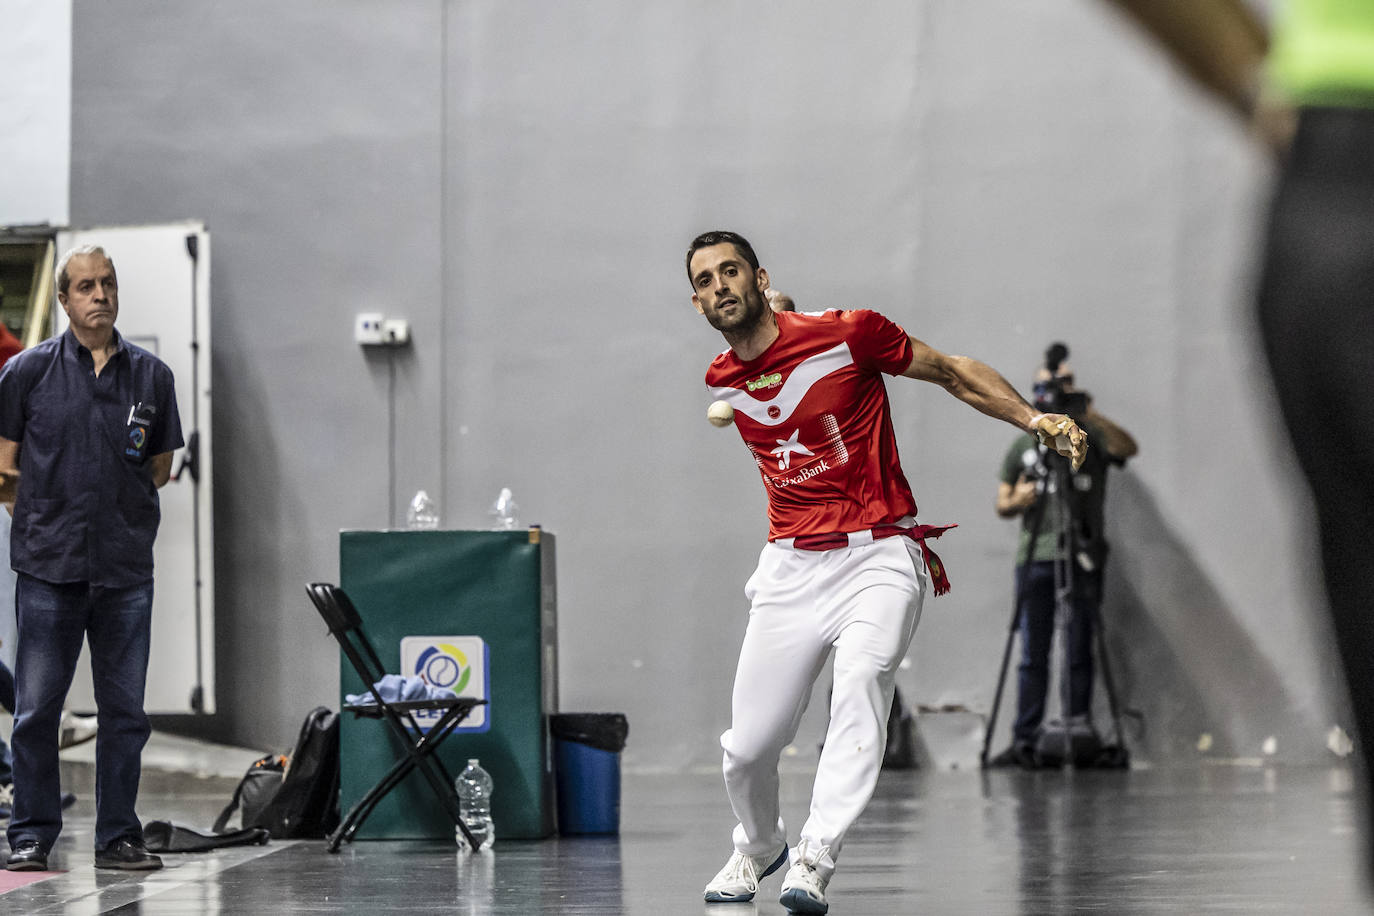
{"x": 1056, "y": 482}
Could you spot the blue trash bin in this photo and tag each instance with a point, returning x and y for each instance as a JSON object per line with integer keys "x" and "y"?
{"x": 586, "y": 751}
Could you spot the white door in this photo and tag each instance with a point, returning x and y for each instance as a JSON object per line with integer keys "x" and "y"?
{"x": 164, "y": 307}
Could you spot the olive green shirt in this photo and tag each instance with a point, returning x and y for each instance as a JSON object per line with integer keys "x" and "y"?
{"x": 1086, "y": 497}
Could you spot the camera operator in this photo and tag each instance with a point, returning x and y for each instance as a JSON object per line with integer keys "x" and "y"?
{"x": 1030, "y": 481}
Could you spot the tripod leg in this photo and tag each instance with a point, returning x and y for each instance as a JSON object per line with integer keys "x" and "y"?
{"x": 1021, "y": 573}
{"x": 1001, "y": 682}
{"x": 1105, "y": 664}
{"x": 1063, "y": 624}
{"x": 1064, "y": 605}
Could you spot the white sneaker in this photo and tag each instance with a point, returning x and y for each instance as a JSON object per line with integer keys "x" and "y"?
{"x": 803, "y": 891}
{"x": 74, "y": 729}
{"x": 739, "y": 879}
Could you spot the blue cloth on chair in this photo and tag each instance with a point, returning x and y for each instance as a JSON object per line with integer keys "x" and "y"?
{"x": 394, "y": 688}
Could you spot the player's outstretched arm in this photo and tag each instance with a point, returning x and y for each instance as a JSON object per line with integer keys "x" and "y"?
{"x": 983, "y": 388}
{"x": 976, "y": 384}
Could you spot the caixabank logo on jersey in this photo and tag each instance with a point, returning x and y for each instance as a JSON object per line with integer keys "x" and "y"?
{"x": 457, "y": 663}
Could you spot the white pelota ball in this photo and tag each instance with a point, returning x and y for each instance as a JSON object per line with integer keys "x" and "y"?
{"x": 720, "y": 413}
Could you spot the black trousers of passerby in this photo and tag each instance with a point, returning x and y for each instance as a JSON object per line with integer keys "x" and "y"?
{"x": 1316, "y": 312}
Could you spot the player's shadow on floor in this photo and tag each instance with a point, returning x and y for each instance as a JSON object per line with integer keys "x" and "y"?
{"x": 1183, "y": 659}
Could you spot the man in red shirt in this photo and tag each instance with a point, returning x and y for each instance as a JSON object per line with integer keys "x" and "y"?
{"x": 846, "y": 566}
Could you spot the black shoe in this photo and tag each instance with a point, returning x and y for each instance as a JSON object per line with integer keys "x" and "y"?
{"x": 129, "y": 854}
{"x": 27, "y": 857}
{"x": 1018, "y": 755}
{"x": 68, "y": 799}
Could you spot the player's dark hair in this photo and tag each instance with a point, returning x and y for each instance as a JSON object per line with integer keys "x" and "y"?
{"x": 722, "y": 237}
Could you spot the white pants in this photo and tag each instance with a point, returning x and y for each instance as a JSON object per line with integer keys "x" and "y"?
{"x": 864, "y": 602}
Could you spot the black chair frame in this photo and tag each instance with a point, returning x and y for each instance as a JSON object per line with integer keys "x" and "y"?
{"x": 346, "y": 625}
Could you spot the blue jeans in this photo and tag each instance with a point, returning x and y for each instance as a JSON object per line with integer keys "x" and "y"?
{"x": 1036, "y": 611}
{"x": 7, "y": 701}
{"x": 53, "y": 621}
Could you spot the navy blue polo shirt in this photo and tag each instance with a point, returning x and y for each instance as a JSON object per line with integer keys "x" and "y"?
{"x": 86, "y": 509}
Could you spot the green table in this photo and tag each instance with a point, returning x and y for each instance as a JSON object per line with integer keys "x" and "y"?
{"x": 475, "y": 611}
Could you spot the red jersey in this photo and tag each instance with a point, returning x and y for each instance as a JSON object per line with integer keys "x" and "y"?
{"x": 813, "y": 410}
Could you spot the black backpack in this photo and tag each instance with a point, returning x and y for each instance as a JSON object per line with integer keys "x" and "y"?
{"x": 295, "y": 797}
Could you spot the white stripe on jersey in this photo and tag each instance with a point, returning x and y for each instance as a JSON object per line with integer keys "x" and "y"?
{"x": 807, "y": 373}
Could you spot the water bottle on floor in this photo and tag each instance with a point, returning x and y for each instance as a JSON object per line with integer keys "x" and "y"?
{"x": 474, "y": 801}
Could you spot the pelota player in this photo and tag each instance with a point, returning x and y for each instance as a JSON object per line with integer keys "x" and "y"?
{"x": 846, "y": 565}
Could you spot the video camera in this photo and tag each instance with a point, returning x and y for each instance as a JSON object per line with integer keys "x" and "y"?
{"x": 1053, "y": 395}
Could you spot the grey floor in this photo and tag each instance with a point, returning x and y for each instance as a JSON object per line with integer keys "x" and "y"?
{"x": 1215, "y": 839}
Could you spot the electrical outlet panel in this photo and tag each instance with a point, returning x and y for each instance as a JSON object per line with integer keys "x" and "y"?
{"x": 395, "y": 332}
{"x": 373, "y": 329}
{"x": 367, "y": 329}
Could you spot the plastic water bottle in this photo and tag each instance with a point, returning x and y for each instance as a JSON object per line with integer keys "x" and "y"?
{"x": 504, "y": 512}
{"x": 423, "y": 514}
{"x": 474, "y": 801}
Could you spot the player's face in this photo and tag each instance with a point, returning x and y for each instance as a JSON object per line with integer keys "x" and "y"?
{"x": 726, "y": 289}
{"x": 92, "y": 298}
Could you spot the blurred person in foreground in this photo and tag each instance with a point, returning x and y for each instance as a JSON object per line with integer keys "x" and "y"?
{"x": 1309, "y": 92}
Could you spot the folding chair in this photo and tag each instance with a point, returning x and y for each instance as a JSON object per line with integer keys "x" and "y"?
{"x": 347, "y": 627}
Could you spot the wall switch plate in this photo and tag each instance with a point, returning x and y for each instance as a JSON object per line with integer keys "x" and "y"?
{"x": 367, "y": 329}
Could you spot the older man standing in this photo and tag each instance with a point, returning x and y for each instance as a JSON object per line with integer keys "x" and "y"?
{"x": 88, "y": 423}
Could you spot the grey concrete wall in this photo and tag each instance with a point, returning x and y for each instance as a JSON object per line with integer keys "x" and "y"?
{"x": 35, "y": 110}
{"x": 520, "y": 180}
